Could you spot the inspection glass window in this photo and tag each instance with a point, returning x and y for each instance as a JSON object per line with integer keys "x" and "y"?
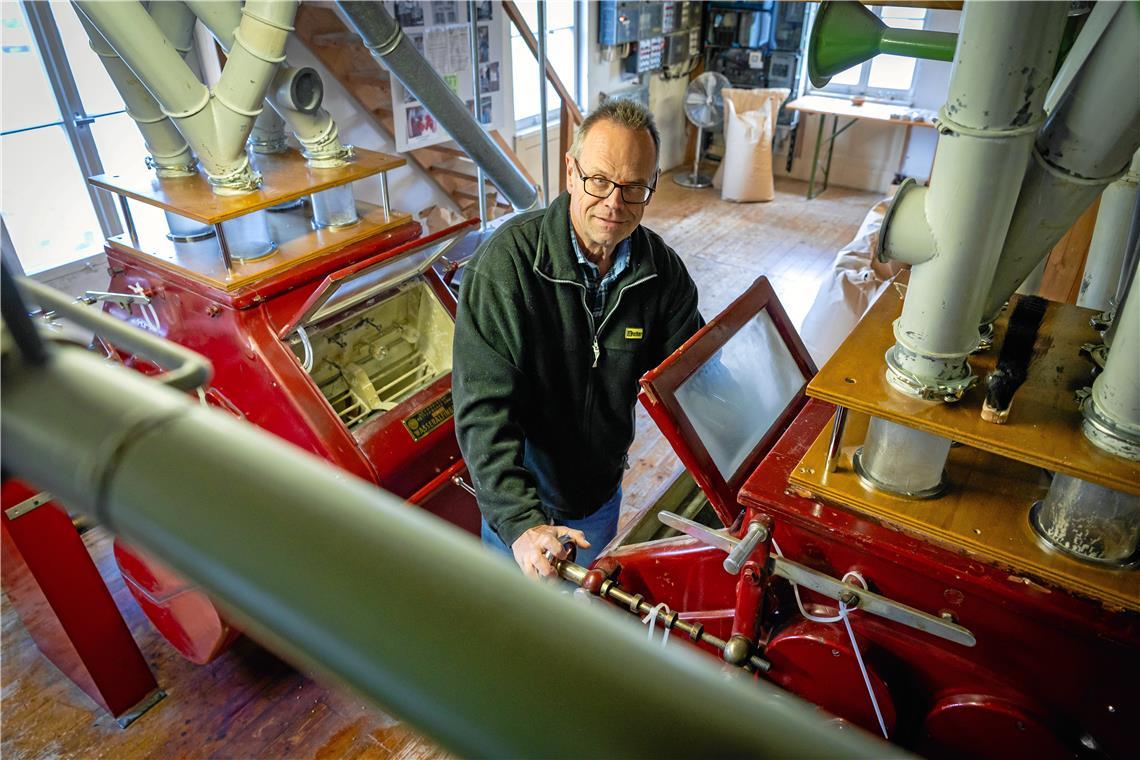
{"x": 884, "y": 77}
{"x": 62, "y": 121}
{"x": 561, "y": 51}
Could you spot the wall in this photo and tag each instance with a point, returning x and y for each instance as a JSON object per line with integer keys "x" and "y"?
{"x": 868, "y": 155}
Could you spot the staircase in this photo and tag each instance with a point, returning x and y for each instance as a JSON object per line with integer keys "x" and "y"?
{"x": 341, "y": 51}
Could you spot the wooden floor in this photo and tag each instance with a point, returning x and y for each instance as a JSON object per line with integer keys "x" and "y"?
{"x": 250, "y": 704}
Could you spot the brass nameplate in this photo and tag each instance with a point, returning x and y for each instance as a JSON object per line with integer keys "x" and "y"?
{"x": 430, "y": 417}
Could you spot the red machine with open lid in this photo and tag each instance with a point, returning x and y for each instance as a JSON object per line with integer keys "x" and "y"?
{"x": 347, "y": 355}
{"x": 939, "y": 649}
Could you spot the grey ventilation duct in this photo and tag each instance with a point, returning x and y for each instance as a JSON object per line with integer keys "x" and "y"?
{"x": 388, "y": 44}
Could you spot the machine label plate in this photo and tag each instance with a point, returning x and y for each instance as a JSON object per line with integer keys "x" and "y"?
{"x": 428, "y": 418}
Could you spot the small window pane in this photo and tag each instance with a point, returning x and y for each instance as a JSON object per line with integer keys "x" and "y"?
{"x": 739, "y": 393}
{"x": 891, "y": 72}
{"x": 560, "y": 51}
{"x": 559, "y": 15}
{"x": 96, "y": 90}
{"x": 849, "y": 77}
{"x": 23, "y": 75}
{"x": 525, "y": 84}
{"x": 120, "y": 144}
{"x": 48, "y": 210}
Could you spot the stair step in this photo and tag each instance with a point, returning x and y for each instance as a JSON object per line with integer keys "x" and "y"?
{"x": 455, "y": 168}
{"x": 373, "y": 76}
{"x": 496, "y": 201}
{"x": 329, "y": 39}
{"x": 450, "y": 150}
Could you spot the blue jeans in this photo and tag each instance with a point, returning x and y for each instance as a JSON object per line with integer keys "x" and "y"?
{"x": 600, "y": 528}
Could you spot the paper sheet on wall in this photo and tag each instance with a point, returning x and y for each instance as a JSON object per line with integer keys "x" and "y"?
{"x": 442, "y": 33}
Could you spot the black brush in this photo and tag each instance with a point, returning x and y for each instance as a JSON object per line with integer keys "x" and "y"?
{"x": 1013, "y": 361}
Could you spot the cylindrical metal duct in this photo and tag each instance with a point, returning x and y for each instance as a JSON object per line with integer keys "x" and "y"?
{"x": 170, "y": 155}
{"x": 902, "y": 461}
{"x": 1103, "y": 267}
{"x": 1086, "y": 143}
{"x": 1089, "y": 521}
{"x": 384, "y": 37}
{"x": 339, "y": 576}
{"x": 986, "y": 131}
{"x": 314, "y": 127}
{"x": 1112, "y": 413}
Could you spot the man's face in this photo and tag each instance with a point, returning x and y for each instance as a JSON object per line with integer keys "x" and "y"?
{"x": 619, "y": 154}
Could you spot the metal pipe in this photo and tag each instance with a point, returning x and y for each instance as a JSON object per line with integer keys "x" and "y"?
{"x": 986, "y": 131}
{"x": 388, "y": 44}
{"x": 215, "y": 123}
{"x": 543, "y": 133}
{"x": 1112, "y": 412}
{"x": 338, "y": 576}
{"x": 1103, "y": 267}
{"x": 186, "y": 370}
{"x": 1086, "y": 143}
{"x": 480, "y": 178}
{"x": 314, "y": 127}
{"x": 170, "y": 155}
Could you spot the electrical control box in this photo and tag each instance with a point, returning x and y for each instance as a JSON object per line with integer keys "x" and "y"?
{"x": 618, "y": 22}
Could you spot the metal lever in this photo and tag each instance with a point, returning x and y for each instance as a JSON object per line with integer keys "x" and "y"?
{"x": 830, "y": 587}
{"x": 122, "y": 299}
{"x": 459, "y": 481}
{"x": 757, "y": 534}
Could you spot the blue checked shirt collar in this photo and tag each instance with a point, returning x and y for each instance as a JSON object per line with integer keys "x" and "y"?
{"x": 598, "y": 287}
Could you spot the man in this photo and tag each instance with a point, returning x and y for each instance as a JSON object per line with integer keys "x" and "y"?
{"x": 560, "y": 312}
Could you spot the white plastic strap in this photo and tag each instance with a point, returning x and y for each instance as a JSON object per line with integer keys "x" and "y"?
{"x": 651, "y": 619}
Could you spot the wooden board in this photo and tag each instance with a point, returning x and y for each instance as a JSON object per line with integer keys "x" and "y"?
{"x": 829, "y": 106}
{"x": 297, "y": 242}
{"x": 985, "y": 514}
{"x": 285, "y": 177}
{"x": 1044, "y": 425}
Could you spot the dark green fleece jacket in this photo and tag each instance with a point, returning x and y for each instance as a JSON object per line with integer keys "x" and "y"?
{"x": 544, "y": 398}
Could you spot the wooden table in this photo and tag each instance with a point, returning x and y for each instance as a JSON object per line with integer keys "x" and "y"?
{"x": 843, "y": 108}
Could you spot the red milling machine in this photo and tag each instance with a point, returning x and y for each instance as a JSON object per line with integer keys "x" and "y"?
{"x": 977, "y": 637}
{"x": 335, "y": 339}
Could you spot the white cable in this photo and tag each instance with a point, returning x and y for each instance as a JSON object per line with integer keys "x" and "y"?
{"x": 149, "y": 315}
{"x": 651, "y": 619}
{"x": 843, "y": 615}
{"x": 307, "y": 360}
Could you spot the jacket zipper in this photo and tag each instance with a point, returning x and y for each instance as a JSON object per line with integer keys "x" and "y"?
{"x": 595, "y": 331}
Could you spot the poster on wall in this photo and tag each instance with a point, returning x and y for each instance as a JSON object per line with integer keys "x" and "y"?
{"x": 441, "y": 31}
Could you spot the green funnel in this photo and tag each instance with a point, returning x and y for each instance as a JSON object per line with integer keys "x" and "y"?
{"x": 845, "y": 34}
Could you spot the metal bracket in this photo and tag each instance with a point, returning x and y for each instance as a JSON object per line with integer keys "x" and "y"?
{"x": 824, "y": 584}
{"x": 122, "y": 299}
{"x": 27, "y": 505}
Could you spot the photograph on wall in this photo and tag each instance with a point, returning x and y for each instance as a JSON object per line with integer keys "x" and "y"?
{"x": 445, "y": 12}
{"x": 489, "y": 77}
{"x": 485, "y": 9}
{"x": 420, "y": 123}
{"x": 409, "y": 13}
{"x": 484, "y": 43}
{"x": 485, "y": 109}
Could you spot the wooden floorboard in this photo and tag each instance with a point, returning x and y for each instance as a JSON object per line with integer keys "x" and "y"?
{"x": 248, "y": 703}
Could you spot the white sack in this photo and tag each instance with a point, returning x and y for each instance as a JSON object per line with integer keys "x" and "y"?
{"x": 855, "y": 281}
{"x": 745, "y": 174}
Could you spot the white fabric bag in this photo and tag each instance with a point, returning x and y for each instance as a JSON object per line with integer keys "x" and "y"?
{"x": 745, "y": 174}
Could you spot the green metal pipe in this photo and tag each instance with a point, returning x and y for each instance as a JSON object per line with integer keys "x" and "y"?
{"x": 409, "y": 611}
{"x": 934, "y": 46}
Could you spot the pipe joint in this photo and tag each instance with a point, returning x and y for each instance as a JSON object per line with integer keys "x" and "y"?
{"x": 298, "y": 89}
{"x": 1112, "y": 434}
{"x": 192, "y": 110}
{"x": 251, "y": 113}
{"x": 946, "y": 125}
{"x": 287, "y": 28}
{"x": 905, "y": 235}
{"x": 239, "y": 40}
{"x": 239, "y": 180}
{"x": 927, "y": 375}
{"x": 164, "y": 168}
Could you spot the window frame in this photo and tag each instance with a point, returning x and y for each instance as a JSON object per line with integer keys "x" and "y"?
{"x": 528, "y": 123}
{"x": 76, "y": 123}
{"x": 863, "y": 88}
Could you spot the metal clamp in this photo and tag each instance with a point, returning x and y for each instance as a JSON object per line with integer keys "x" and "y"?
{"x": 27, "y": 505}
{"x": 757, "y": 534}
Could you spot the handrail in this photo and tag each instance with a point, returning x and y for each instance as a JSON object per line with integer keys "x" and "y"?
{"x": 569, "y": 111}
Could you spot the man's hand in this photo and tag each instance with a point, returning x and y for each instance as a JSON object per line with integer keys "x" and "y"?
{"x": 530, "y": 548}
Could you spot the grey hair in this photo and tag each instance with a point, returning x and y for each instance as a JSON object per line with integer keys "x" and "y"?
{"x": 628, "y": 113}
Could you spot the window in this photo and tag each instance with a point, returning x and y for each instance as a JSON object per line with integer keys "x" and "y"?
{"x": 561, "y": 51}
{"x": 884, "y": 77}
{"x": 62, "y": 118}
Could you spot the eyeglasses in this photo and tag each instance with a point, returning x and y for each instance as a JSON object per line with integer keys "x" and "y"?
{"x": 600, "y": 187}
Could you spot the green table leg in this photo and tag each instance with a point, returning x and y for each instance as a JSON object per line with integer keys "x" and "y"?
{"x": 830, "y": 151}
{"x": 815, "y": 157}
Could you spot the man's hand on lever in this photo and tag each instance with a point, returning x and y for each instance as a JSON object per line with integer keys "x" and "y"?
{"x": 536, "y": 549}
